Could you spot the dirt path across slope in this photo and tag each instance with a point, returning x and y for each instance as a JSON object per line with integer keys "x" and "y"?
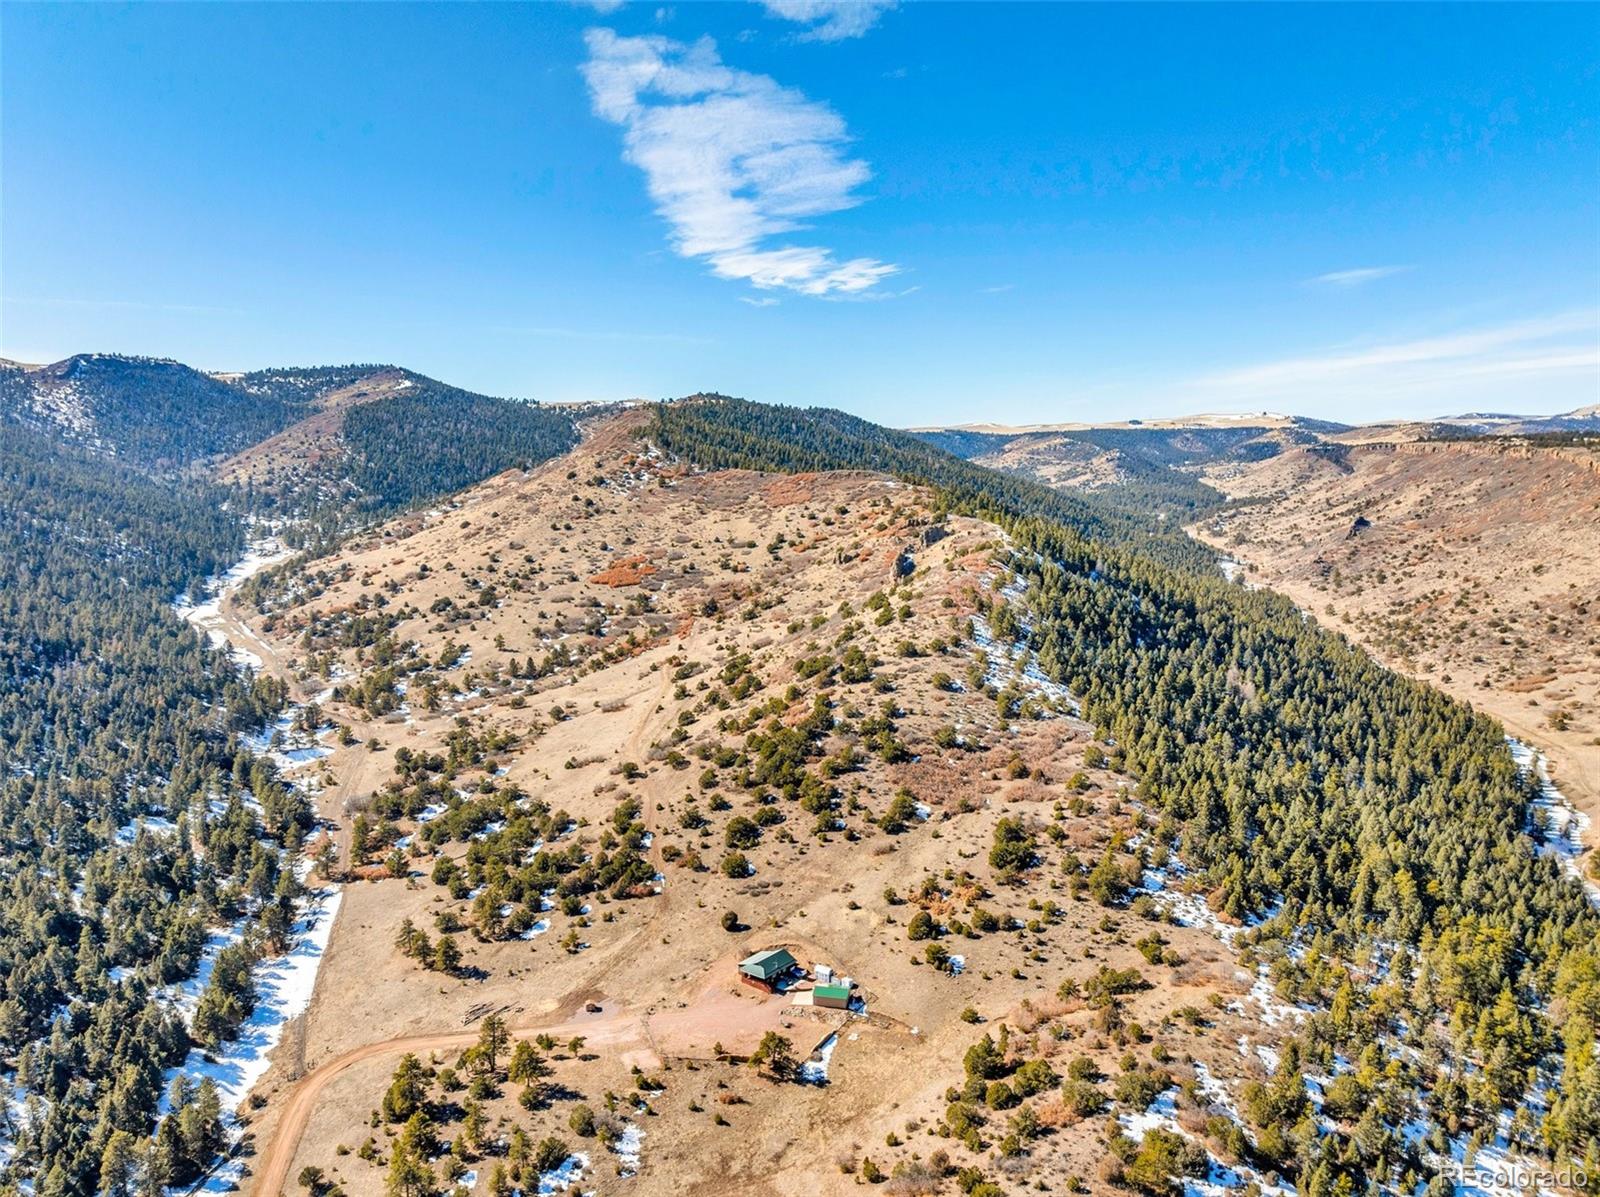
{"x": 353, "y": 768}
{"x": 612, "y": 1032}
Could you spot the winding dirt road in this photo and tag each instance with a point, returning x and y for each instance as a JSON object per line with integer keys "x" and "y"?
{"x": 271, "y": 1170}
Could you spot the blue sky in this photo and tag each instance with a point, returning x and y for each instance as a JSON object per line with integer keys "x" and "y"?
{"x": 930, "y": 213}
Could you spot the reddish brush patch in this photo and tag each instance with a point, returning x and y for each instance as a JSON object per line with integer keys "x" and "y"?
{"x": 796, "y": 714}
{"x": 1523, "y": 685}
{"x": 628, "y": 572}
{"x": 964, "y": 600}
{"x": 790, "y": 489}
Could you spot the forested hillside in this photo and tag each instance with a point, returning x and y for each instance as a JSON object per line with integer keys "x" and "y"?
{"x": 148, "y": 412}
{"x": 434, "y": 439}
{"x": 1375, "y": 825}
{"x": 111, "y": 711}
{"x": 392, "y": 437}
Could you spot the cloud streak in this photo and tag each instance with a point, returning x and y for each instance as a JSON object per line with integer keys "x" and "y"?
{"x": 1346, "y": 280}
{"x": 732, "y": 160}
{"x": 1513, "y": 355}
{"x": 830, "y": 20}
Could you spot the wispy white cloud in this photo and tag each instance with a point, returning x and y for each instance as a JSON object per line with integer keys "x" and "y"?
{"x": 732, "y": 160}
{"x": 1563, "y": 348}
{"x": 830, "y": 20}
{"x": 1345, "y": 280}
{"x": 759, "y": 301}
{"x": 604, "y": 7}
{"x": 997, "y": 289}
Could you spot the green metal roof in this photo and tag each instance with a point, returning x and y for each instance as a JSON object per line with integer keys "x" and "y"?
{"x": 839, "y": 992}
{"x": 768, "y": 964}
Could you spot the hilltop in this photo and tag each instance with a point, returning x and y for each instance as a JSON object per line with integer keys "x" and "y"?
{"x": 658, "y": 697}
{"x": 630, "y": 633}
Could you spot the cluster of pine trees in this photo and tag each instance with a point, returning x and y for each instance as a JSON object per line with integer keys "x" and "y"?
{"x": 434, "y": 439}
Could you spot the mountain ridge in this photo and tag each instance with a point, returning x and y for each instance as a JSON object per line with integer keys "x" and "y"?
{"x": 375, "y": 436}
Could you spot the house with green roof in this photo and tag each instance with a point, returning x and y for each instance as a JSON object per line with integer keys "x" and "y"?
{"x": 769, "y": 967}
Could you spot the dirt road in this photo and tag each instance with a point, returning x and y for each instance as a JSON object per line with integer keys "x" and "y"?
{"x": 271, "y": 1170}
{"x": 353, "y": 766}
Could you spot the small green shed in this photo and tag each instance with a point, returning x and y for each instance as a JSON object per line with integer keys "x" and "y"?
{"x": 835, "y": 996}
{"x": 767, "y": 966}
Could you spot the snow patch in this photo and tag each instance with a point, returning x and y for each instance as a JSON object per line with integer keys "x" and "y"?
{"x": 1557, "y": 825}
{"x": 283, "y": 985}
{"x": 630, "y": 1149}
{"x": 562, "y": 1177}
{"x": 815, "y": 1071}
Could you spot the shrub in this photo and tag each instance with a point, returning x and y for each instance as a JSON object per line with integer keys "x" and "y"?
{"x": 550, "y": 1155}
{"x": 742, "y": 832}
{"x": 1162, "y": 1158}
{"x": 1082, "y": 1098}
{"x": 1139, "y": 1087}
{"x": 1000, "y": 1096}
